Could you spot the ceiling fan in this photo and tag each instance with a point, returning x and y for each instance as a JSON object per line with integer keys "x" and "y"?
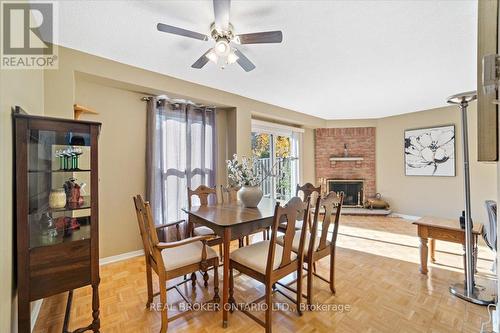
{"x": 224, "y": 51}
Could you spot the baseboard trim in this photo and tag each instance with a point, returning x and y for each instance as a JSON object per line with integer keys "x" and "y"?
{"x": 35, "y": 311}
{"x": 120, "y": 257}
{"x": 409, "y": 218}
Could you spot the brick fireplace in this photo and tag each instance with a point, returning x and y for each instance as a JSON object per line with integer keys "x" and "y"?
{"x": 335, "y": 168}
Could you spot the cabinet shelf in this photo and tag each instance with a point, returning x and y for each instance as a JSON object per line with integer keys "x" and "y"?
{"x": 78, "y": 234}
{"x": 69, "y": 207}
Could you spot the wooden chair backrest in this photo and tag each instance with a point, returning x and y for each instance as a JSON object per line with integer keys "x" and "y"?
{"x": 307, "y": 189}
{"x": 289, "y": 213}
{"x": 229, "y": 194}
{"x": 146, "y": 227}
{"x": 329, "y": 204}
{"x": 203, "y": 193}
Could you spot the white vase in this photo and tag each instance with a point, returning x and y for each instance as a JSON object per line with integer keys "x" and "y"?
{"x": 250, "y": 196}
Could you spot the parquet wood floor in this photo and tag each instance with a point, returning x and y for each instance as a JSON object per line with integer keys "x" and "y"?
{"x": 376, "y": 275}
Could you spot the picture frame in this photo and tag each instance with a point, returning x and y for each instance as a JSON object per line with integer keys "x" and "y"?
{"x": 430, "y": 151}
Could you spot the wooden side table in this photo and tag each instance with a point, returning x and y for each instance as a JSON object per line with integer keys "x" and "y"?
{"x": 445, "y": 230}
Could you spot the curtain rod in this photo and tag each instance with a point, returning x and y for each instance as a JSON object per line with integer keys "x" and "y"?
{"x": 175, "y": 101}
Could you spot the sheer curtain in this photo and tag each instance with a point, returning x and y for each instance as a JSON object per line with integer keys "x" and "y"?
{"x": 180, "y": 153}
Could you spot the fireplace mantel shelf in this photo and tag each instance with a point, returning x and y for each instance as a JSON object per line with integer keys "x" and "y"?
{"x": 356, "y": 159}
{"x": 346, "y": 159}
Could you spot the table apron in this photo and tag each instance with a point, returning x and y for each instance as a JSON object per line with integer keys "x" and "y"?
{"x": 443, "y": 234}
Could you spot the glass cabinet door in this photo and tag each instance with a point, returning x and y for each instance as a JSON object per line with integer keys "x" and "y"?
{"x": 58, "y": 187}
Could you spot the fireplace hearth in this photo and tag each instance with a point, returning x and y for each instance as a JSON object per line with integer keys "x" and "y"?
{"x": 353, "y": 190}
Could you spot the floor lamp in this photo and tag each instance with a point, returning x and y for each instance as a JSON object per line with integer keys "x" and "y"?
{"x": 468, "y": 290}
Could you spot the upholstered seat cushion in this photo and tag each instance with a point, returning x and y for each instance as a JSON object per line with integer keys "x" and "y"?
{"x": 185, "y": 255}
{"x": 296, "y": 241}
{"x": 254, "y": 256}
{"x": 203, "y": 231}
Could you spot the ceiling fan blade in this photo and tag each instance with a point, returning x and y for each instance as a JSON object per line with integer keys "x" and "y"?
{"x": 202, "y": 61}
{"x": 181, "y": 32}
{"x": 221, "y": 12}
{"x": 243, "y": 61}
{"x": 260, "y": 37}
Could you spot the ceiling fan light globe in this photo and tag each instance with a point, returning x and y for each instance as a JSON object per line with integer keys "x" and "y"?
{"x": 212, "y": 56}
{"x": 222, "y": 48}
{"x": 232, "y": 58}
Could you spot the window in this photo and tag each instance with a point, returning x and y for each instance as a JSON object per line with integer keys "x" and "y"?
{"x": 276, "y": 148}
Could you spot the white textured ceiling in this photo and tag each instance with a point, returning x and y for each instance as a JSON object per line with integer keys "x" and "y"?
{"x": 338, "y": 59}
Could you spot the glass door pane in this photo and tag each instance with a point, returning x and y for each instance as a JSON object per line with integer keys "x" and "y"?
{"x": 276, "y": 154}
{"x": 283, "y": 167}
{"x": 262, "y": 150}
{"x": 58, "y": 187}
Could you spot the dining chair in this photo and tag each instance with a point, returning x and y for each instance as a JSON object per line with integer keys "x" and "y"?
{"x": 162, "y": 230}
{"x": 229, "y": 194}
{"x": 172, "y": 260}
{"x": 308, "y": 190}
{"x": 317, "y": 246}
{"x": 268, "y": 262}
{"x": 489, "y": 231}
{"x": 204, "y": 193}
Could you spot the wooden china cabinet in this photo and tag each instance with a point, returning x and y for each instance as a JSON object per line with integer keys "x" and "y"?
{"x": 56, "y": 211}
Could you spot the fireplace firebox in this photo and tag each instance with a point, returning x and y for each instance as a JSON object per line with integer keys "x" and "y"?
{"x": 353, "y": 191}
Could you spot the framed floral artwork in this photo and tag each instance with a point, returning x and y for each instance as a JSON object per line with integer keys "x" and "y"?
{"x": 430, "y": 151}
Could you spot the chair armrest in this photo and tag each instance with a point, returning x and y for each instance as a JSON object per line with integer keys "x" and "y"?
{"x": 169, "y": 245}
{"x": 170, "y": 224}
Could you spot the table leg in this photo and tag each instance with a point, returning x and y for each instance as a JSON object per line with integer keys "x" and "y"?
{"x": 432, "y": 248}
{"x": 423, "y": 255}
{"x": 189, "y": 227}
{"x": 225, "y": 282}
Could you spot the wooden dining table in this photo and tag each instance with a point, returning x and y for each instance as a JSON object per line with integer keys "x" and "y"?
{"x": 231, "y": 221}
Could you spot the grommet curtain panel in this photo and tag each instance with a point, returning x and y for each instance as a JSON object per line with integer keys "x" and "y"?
{"x": 180, "y": 153}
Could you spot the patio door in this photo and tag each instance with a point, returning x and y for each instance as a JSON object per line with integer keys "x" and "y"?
{"x": 276, "y": 148}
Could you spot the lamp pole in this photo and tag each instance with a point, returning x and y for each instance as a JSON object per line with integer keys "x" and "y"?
{"x": 468, "y": 290}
